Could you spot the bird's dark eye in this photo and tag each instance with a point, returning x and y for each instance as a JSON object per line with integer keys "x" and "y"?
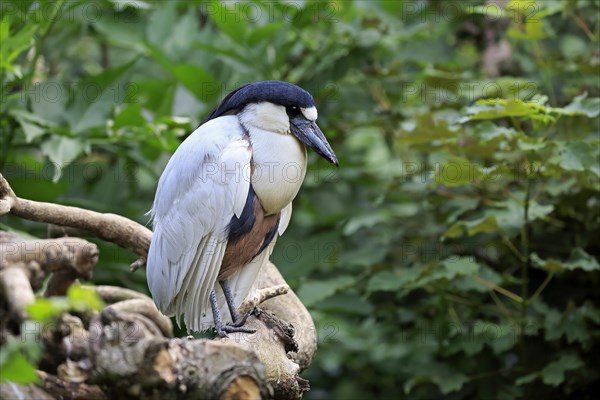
{"x": 292, "y": 111}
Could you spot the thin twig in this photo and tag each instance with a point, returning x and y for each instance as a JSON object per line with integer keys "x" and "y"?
{"x": 261, "y": 295}
{"x": 541, "y": 288}
{"x": 499, "y": 289}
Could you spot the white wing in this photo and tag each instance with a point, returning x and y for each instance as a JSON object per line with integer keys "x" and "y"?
{"x": 204, "y": 185}
{"x": 284, "y": 219}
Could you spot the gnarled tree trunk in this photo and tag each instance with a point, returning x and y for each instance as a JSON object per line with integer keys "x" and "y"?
{"x": 127, "y": 350}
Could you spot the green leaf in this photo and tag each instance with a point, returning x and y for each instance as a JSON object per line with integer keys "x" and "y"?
{"x": 365, "y": 221}
{"x": 550, "y": 264}
{"x": 19, "y": 355}
{"x": 466, "y": 283}
{"x": 539, "y": 211}
{"x": 533, "y": 30}
{"x": 48, "y": 99}
{"x": 509, "y": 216}
{"x": 457, "y": 171}
{"x": 554, "y": 373}
{"x": 199, "y": 81}
{"x": 489, "y": 131}
{"x": 15, "y": 368}
{"x": 445, "y": 377}
{"x": 456, "y": 230}
{"x": 527, "y": 143}
{"x": 347, "y": 302}
{"x": 130, "y": 115}
{"x": 450, "y": 382}
{"x": 460, "y": 266}
{"x": 313, "y": 292}
{"x": 574, "y": 323}
{"x": 230, "y": 20}
{"x": 449, "y": 269}
{"x": 574, "y": 155}
{"x": 31, "y": 129}
{"x": 61, "y": 150}
{"x": 502, "y": 108}
{"x": 431, "y": 131}
{"x": 84, "y": 299}
{"x": 498, "y": 108}
{"x": 580, "y": 259}
{"x": 486, "y": 224}
{"x": 14, "y": 43}
{"x": 573, "y": 46}
{"x": 95, "y": 96}
{"x": 161, "y": 23}
{"x": 45, "y": 310}
{"x": 391, "y": 281}
{"x": 527, "y": 379}
{"x": 264, "y": 32}
{"x": 582, "y": 105}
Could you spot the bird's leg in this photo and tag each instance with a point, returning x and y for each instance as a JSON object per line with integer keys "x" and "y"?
{"x": 235, "y": 316}
{"x": 220, "y": 327}
{"x": 216, "y": 314}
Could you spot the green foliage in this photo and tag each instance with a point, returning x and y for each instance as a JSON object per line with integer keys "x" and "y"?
{"x": 78, "y": 299}
{"x": 19, "y": 356}
{"x": 453, "y": 254}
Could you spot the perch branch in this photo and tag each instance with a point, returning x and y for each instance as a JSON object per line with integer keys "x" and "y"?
{"x": 112, "y": 294}
{"x": 240, "y": 364}
{"x": 261, "y": 295}
{"x": 17, "y": 290}
{"x": 148, "y": 310}
{"x": 110, "y": 227}
{"x": 288, "y": 307}
{"x": 137, "y": 363}
{"x": 66, "y": 258}
{"x": 13, "y": 391}
{"x": 61, "y": 389}
{"x": 52, "y": 255}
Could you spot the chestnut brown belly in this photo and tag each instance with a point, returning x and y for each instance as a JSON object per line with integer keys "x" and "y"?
{"x": 244, "y": 246}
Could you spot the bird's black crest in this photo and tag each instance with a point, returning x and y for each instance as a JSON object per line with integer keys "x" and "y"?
{"x": 277, "y": 92}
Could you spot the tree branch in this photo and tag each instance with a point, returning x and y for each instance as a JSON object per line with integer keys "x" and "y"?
{"x": 130, "y": 337}
{"x": 110, "y": 227}
{"x": 16, "y": 288}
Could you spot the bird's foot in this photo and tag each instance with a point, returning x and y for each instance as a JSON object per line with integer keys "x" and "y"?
{"x": 241, "y": 320}
{"x": 222, "y": 331}
{"x": 238, "y": 322}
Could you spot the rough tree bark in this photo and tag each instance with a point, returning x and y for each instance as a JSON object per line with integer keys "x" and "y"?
{"x": 127, "y": 350}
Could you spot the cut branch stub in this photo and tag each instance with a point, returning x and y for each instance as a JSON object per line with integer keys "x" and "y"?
{"x": 68, "y": 259}
{"x": 137, "y": 362}
{"x": 52, "y": 255}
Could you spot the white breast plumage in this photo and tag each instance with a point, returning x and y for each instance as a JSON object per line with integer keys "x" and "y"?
{"x": 279, "y": 163}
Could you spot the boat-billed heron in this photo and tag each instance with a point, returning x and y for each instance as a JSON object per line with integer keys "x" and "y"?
{"x": 224, "y": 197}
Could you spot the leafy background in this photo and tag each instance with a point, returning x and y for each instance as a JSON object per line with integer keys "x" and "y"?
{"x": 455, "y": 251}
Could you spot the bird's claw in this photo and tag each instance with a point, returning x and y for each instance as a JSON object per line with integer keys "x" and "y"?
{"x": 241, "y": 321}
{"x": 225, "y": 329}
{"x": 238, "y": 322}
